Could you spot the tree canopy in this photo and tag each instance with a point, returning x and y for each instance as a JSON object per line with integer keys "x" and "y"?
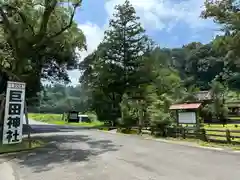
{"x": 130, "y": 80}
{"x": 38, "y": 40}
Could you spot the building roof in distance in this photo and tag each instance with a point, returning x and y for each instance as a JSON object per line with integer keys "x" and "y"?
{"x": 185, "y": 106}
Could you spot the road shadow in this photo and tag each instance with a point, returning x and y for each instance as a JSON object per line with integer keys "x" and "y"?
{"x": 61, "y": 149}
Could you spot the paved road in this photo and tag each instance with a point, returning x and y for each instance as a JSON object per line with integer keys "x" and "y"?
{"x": 42, "y": 127}
{"x": 94, "y": 155}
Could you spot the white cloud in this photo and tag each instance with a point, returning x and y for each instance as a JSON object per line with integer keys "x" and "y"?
{"x": 94, "y": 35}
{"x": 160, "y": 14}
{"x": 154, "y": 14}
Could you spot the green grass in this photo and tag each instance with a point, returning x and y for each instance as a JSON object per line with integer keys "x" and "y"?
{"x": 24, "y": 145}
{"x": 125, "y": 131}
{"x": 234, "y": 118}
{"x": 46, "y": 117}
{"x": 206, "y": 144}
{"x": 220, "y": 126}
{"x": 231, "y": 127}
{"x": 57, "y": 119}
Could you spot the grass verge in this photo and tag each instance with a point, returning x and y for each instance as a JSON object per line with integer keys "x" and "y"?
{"x": 192, "y": 141}
{"x": 23, "y": 146}
{"x": 57, "y": 120}
{"x": 206, "y": 144}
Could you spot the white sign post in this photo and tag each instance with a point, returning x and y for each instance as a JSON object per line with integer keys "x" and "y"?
{"x": 14, "y": 112}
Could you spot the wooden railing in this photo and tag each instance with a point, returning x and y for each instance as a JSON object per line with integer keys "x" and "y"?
{"x": 205, "y": 134}
{"x": 229, "y": 136}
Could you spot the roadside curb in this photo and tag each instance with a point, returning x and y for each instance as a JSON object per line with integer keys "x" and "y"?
{"x": 187, "y": 144}
{"x": 179, "y": 143}
{"x": 18, "y": 151}
{"x": 9, "y": 153}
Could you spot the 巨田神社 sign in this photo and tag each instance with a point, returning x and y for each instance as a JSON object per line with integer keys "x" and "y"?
{"x": 14, "y": 112}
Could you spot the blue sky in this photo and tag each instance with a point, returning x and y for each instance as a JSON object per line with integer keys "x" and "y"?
{"x": 170, "y": 23}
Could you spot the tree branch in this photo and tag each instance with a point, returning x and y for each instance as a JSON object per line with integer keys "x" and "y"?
{"x": 8, "y": 28}
{"x": 49, "y": 7}
{"x": 11, "y": 74}
{"x": 38, "y": 44}
{"x": 23, "y": 17}
{"x": 75, "y": 6}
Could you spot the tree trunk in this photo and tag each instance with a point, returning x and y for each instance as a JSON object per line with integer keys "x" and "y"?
{"x": 141, "y": 116}
{"x": 2, "y": 108}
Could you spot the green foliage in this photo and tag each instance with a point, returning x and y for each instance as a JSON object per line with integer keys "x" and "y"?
{"x": 46, "y": 117}
{"x": 59, "y": 99}
{"x": 218, "y": 107}
{"x": 127, "y": 131}
{"x": 129, "y": 110}
{"x": 157, "y": 109}
{"x": 92, "y": 116}
{"x": 114, "y": 68}
{"x": 226, "y": 14}
{"x": 129, "y": 79}
{"x": 38, "y": 40}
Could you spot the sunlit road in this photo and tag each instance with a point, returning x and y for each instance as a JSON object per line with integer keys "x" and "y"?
{"x": 42, "y": 127}
{"x": 93, "y": 155}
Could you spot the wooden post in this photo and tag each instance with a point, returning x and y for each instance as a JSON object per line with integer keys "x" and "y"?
{"x": 184, "y": 133}
{"x": 2, "y": 108}
{"x": 203, "y": 135}
{"x": 197, "y": 120}
{"x": 177, "y": 112}
{"x": 29, "y": 128}
{"x": 228, "y": 136}
{"x": 177, "y": 115}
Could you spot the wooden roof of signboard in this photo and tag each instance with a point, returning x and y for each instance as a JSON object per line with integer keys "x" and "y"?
{"x": 185, "y": 106}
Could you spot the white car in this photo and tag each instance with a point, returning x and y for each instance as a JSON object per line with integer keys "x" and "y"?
{"x": 83, "y": 118}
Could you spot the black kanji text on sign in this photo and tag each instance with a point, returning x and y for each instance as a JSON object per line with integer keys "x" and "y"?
{"x": 14, "y": 109}
{"x": 14, "y": 135}
{"x": 13, "y": 122}
{"x": 15, "y": 96}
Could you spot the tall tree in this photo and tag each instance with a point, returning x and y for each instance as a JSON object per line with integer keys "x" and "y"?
{"x": 126, "y": 42}
{"x": 38, "y": 40}
{"x": 113, "y": 68}
{"x": 226, "y": 13}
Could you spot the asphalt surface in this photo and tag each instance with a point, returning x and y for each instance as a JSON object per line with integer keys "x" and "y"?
{"x": 93, "y": 155}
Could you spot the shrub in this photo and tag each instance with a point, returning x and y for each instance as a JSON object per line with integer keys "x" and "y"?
{"x": 127, "y": 131}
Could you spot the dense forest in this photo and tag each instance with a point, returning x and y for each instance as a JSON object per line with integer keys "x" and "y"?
{"x": 59, "y": 98}
{"x": 130, "y": 80}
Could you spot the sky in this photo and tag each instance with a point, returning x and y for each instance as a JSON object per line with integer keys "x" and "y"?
{"x": 170, "y": 23}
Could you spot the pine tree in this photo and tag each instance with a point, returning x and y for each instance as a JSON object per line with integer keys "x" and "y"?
{"x": 117, "y": 65}
{"x": 126, "y": 42}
